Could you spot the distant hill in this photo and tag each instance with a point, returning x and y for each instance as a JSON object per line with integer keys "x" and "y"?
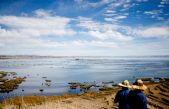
{"x": 38, "y": 56}
{"x": 23, "y": 56}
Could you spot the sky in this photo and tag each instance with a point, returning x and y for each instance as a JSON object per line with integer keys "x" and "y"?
{"x": 84, "y": 27}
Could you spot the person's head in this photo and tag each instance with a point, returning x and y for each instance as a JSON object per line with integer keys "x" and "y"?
{"x": 125, "y": 84}
{"x": 139, "y": 85}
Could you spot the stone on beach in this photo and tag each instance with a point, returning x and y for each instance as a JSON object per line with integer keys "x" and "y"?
{"x": 145, "y": 79}
{"x": 108, "y": 82}
{"x": 41, "y": 90}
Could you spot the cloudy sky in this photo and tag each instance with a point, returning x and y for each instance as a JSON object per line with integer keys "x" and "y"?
{"x": 84, "y": 27}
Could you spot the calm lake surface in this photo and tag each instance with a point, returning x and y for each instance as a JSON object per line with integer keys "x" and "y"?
{"x": 62, "y": 70}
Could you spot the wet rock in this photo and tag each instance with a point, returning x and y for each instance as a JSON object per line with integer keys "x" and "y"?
{"x": 13, "y": 73}
{"x": 11, "y": 84}
{"x": 41, "y": 90}
{"x": 108, "y": 82}
{"x": 3, "y": 80}
{"x": 48, "y": 80}
{"x": 44, "y": 77}
{"x": 1, "y": 83}
{"x": 114, "y": 84}
{"x": 158, "y": 78}
{"x": 86, "y": 87}
{"x": 2, "y": 74}
{"x": 75, "y": 83}
{"x": 48, "y": 84}
{"x": 105, "y": 88}
{"x": 73, "y": 87}
{"x": 145, "y": 79}
{"x": 76, "y": 59}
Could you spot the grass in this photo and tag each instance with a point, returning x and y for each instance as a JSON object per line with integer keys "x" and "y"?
{"x": 55, "y": 102}
{"x": 66, "y": 101}
{"x": 1, "y": 106}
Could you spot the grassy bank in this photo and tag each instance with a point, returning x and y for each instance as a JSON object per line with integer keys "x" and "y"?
{"x": 157, "y": 96}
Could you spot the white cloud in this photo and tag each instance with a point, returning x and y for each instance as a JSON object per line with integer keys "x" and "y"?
{"x": 153, "y": 12}
{"x": 141, "y": 0}
{"x": 160, "y": 18}
{"x": 120, "y": 17}
{"x": 109, "y": 35}
{"x": 80, "y": 43}
{"x": 110, "y": 11}
{"x": 126, "y": 5}
{"x": 115, "y": 18}
{"x": 164, "y": 2}
{"x": 158, "y": 32}
{"x": 37, "y": 27}
{"x": 111, "y": 20}
{"x": 28, "y": 32}
{"x": 88, "y": 4}
{"x": 103, "y": 30}
{"x": 42, "y": 12}
{"x": 160, "y": 6}
{"x": 110, "y": 15}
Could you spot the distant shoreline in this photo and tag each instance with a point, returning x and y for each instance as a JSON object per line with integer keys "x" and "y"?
{"x": 39, "y": 56}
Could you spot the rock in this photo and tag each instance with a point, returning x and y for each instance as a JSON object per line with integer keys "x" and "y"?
{"x": 87, "y": 87}
{"x": 41, "y": 90}
{"x": 3, "y": 80}
{"x": 114, "y": 84}
{"x": 48, "y": 84}
{"x": 2, "y": 74}
{"x": 145, "y": 79}
{"x": 75, "y": 83}
{"x": 158, "y": 78}
{"x": 44, "y": 77}
{"x": 1, "y": 83}
{"x": 105, "y": 88}
{"x": 11, "y": 84}
{"x": 48, "y": 80}
{"x": 73, "y": 87}
{"x": 108, "y": 82}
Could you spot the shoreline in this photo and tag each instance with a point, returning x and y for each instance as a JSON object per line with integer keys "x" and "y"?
{"x": 157, "y": 96}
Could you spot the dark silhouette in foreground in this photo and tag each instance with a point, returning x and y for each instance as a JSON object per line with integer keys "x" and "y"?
{"x": 122, "y": 95}
{"x": 136, "y": 97}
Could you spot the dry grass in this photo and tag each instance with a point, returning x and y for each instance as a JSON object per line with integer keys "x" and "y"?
{"x": 157, "y": 95}
{"x": 88, "y": 100}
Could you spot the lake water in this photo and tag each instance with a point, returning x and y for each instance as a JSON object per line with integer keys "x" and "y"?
{"x": 62, "y": 70}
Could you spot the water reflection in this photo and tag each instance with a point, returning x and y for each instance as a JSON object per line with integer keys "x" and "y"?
{"x": 68, "y": 69}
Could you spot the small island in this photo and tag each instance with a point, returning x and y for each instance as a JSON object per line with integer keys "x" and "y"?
{"x": 8, "y": 85}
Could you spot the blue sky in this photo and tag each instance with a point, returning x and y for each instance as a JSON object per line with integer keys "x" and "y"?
{"x": 84, "y": 27}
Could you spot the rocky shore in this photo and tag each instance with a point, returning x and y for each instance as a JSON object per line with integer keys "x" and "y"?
{"x": 157, "y": 95}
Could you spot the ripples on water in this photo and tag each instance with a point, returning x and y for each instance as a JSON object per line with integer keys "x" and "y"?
{"x": 62, "y": 70}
